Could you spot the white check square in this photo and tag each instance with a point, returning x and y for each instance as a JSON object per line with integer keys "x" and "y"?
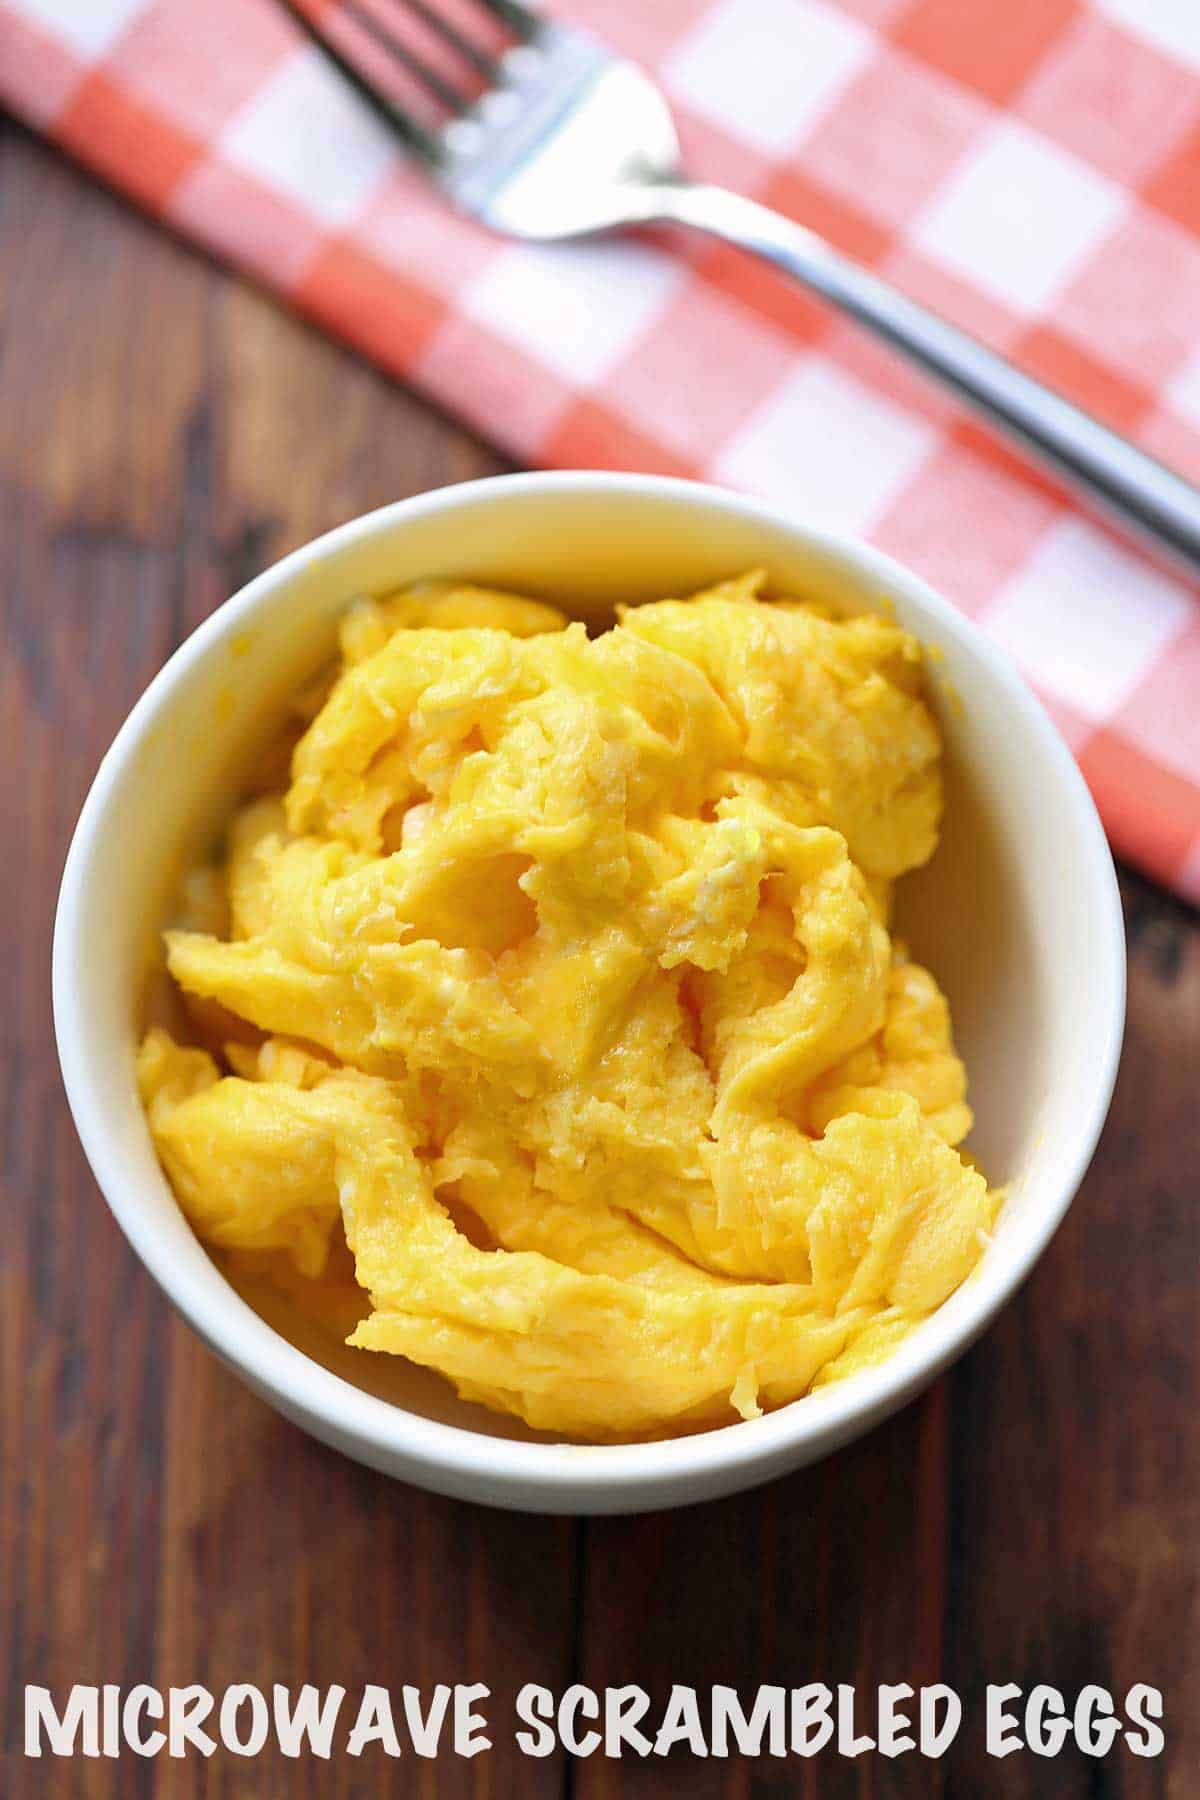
{"x": 1017, "y": 217}
{"x": 89, "y": 26}
{"x": 1170, "y": 25}
{"x": 764, "y": 69}
{"x": 1183, "y": 394}
{"x": 308, "y": 136}
{"x": 1087, "y": 620}
{"x": 828, "y": 447}
{"x": 576, "y": 308}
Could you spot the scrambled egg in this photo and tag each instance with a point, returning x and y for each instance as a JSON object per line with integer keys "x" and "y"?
{"x": 559, "y": 980}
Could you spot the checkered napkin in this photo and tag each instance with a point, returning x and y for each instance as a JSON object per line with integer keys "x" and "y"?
{"x": 1030, "y": 169}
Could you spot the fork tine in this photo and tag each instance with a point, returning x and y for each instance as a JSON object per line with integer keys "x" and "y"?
{"x": 429, "y": 79}
{"x": 480, "y": 61}
{"x": 521, "y": 20}
{"x": 421, "y": 142}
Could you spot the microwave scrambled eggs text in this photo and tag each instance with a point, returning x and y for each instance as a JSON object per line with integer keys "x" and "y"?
{"x": 559, "y": 979}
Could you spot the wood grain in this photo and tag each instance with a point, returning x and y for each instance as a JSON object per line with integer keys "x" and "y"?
{"x": 164, "y": 432}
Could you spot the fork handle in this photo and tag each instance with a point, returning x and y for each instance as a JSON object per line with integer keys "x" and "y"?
{"x": 1131, "y": 488}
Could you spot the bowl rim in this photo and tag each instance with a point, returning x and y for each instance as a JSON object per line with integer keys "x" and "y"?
{"x": 454, "y": 1458}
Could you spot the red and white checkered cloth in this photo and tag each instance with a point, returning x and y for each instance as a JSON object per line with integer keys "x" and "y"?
{"x": 1030, "y": 169}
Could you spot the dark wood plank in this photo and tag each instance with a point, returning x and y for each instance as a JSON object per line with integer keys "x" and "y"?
{"x": 1033, "y": 1517}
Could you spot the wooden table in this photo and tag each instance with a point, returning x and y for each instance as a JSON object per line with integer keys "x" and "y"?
{"x": 164, "y": 433}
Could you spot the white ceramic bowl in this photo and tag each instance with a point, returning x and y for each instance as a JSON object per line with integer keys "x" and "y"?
{"x": 1018, "y": 915}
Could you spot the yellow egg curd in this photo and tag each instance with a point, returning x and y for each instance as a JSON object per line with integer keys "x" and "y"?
{"x": 559, "y": 980}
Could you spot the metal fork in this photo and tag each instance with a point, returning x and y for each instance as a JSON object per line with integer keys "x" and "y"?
{"x": 567, "y": 139}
